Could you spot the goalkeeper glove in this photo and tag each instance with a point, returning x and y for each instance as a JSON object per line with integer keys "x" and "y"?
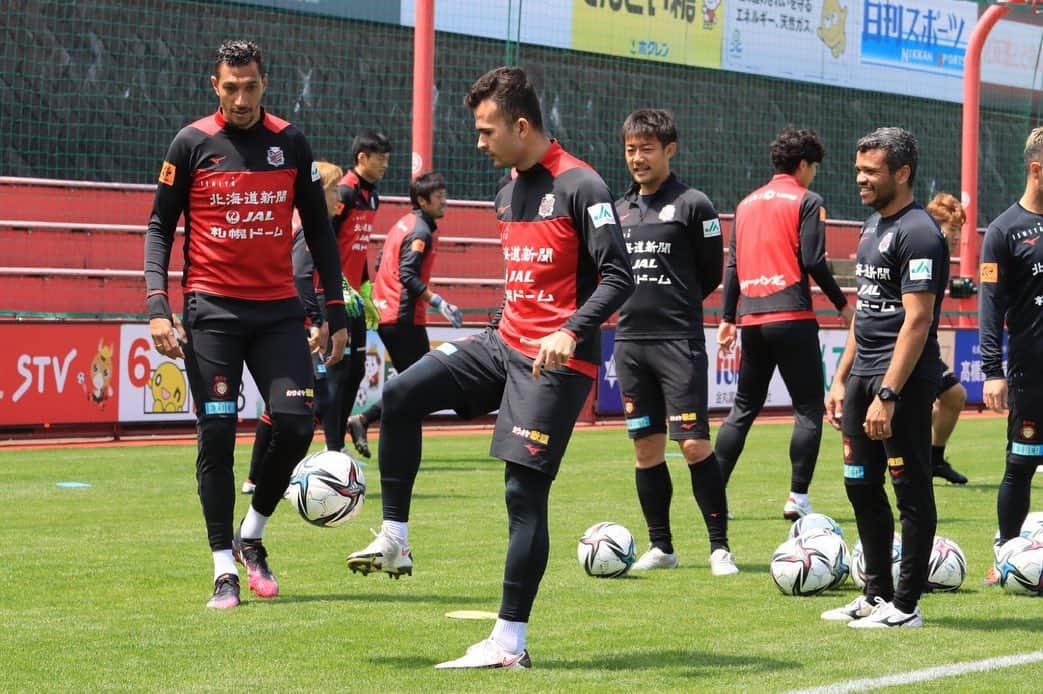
{"x": 372, "y": 314}
{"x": 451, "y": 312}
{"x": 352, "y": 301}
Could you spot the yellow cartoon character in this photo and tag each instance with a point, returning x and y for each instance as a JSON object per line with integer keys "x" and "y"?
{"x": 168, "y": 388}
{"x": 831, "y": 29}
{"x": 97, "y": 384}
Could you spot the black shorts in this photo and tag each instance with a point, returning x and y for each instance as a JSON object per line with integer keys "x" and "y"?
{"x": 405, "y": 342}
{"x": 225, "y": 333}
{"x": 663, "y": 383}
{"x": 1024, "y": 418}
{"x": 907, "y": 454}
{"x": 536, "y": 416}
{"x": 949, "y": 378}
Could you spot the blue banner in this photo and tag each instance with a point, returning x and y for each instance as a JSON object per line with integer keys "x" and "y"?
{"x": 967, "y": 362}
{"x": 610, "y": 399}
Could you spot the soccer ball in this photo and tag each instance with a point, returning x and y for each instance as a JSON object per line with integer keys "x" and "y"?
{"x": 327, "y": 488}
{"x": 813, "y": 521}
{"x": 1033, "y": 525}
{"x": 947, "y": 566}
{"x": 1021, "y": 566}
{"x": 810, "y": 563}
{"x": 606, "y": 550}
{"x": 858, "y": 561}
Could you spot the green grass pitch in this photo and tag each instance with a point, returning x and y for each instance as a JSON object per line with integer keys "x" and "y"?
{"x": 103, "y": 588}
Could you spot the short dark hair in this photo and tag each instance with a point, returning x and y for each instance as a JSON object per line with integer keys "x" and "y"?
{"x": 424, "y": 186}
{"x": 651, "y": 122}
{"x": 899, "y": 147}
{"x": 237, "y": 53}
{"x": 792, "y": 146}
{"x": 513, "y": 93}
{"x": 370, "y": 142}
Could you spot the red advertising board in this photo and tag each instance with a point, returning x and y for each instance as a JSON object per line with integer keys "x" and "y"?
{"x": 55, "y": 374}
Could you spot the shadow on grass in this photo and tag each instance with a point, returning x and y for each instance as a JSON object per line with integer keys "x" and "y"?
{"x": 454, "y": 600}
{"x": 691, "y": 661}
{"x": 1012, "y": 624}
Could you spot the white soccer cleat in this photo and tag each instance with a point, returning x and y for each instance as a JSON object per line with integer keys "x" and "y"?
{"x": 656, "y": 558}
{"x": 383, "y": 554}
{"x": 487, "y": 655}
{"x": 248, "y": 486}
{"x": 858, "y": 608}
{"x": 722, "y": 563}
{"x": 795, "y": 510}
{"x": 886, "y": 615}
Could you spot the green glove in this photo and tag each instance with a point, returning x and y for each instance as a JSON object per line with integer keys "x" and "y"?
{"x": 352, "y": 301}
{"x": 372, "y": 314}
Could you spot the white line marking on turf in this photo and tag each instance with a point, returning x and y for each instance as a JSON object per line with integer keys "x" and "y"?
{"x": 925, "y": 675}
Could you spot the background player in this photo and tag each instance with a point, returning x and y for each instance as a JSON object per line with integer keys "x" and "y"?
{"x": 779, "y": 239}
{"x": 673, "y": 238}
{"x": 240, "y": 301}
{"x": 952, "y": 396}
{"x": 887, "y": 380}
{"x": 567, "y": 272}
{"x": 401, "y": 291}
{"x": 1011, "y": 291}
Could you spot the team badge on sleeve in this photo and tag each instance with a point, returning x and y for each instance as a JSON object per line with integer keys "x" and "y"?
{"x": 277, "y": 158}
{"x": 920, "y": 268}
{"x": 601, "y": 214}
{"x": 711, "y": 228}
{"x": 546, "y": 205}
{"x": 667, "y": 213}
{"x": 990, "y": 272}
{"x": 167, "y": 173}
{"x": 417, "y": 246}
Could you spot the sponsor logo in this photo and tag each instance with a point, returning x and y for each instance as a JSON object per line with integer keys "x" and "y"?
{"x": 610, "y": 372}
{"x": 666, "y": 214}
{"x": 1028, "y": 430}
{"x": 1028, "y": 450}
{"x": 299, "y": 392}
{"x": 220, "y": 386}
{"x": 232, "y": 216}
{"x": 711, "y": 228}
{"x": 447, "y": 348}
{"x": 533, "y": 450}
{"x": 600, "y": 214}
{"x": 684, "y": 417}
{"x": 224, "y": 407}
{"x": 217, "y": 160}
{"x": 167, "y": 173}
{"x": 501, "y": 210}
{"x": 990, "y": 272}
{"x": 277, "y": 158}
{"x": 896, "y": 466}
{"x": 1032, "y": 241}
{"x": 920, "y": 268}
{"x": 314, "y": 169}
{"x": 854, "y": 472}
{"x": 546, "y": 205}
{"x": 634, "y": 423}
{"x": 533, "y": 435}
{"x": 885, "y": 242}
{"x": 763, "y": 281}
{"x": 417, "y": 246}
{"x": 728, "y": 366}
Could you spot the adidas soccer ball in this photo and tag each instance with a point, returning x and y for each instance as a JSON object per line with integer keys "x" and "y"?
{"x": 810, "y": 563}
{"x": 1033, "y": 525}
{"x": 1020, "y": 566}
{"x": 606, "y": 550}
{"x": 813, "y": 521}
{"x": 858, "y": 561}
{"x": 947, "y": 566}
{"x": 327, "y": 488}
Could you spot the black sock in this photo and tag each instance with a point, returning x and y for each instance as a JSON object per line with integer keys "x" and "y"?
{"x": 937, "y": 455}
{"x": 708, "y": 488}
{"x": 654, "y": 491}
{"x": 1014, "y": 498}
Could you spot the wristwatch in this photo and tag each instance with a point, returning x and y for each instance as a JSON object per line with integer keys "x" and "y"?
{"x": 886, "y": 394}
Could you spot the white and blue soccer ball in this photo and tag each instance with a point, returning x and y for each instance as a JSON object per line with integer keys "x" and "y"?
{"x": 606, "y": 550}
{"x": 1020, "y": 565}
{"x": 810, "y": 563}
{"x": 1033, "y": 525}
{"x": 814, "y": 521}
{"x": 858, "y": 561}
{"x": 946, "y": 567}
{"x": 327, "y": 488}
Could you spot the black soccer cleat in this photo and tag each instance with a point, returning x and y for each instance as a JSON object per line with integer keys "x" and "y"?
{"x": 253, "y": 555}
{"x": 226, "y": 592}
{"x": 357, "y": 429}
{"x": 948, "y": 473}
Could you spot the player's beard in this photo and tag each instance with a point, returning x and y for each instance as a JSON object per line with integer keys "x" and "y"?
{"x": 884, "y": 196}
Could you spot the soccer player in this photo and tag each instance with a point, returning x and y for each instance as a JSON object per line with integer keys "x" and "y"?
{"x": 353, "y": 223}
{"x": 566, "y": 273}
{"x": 401, "y": 291}
{"x": 237, "y": 176}
{"x": 779, "y": 239}
{"x": 673, "y": 238}
{"x": 887, "y": 379}
{"x": 318, "y": 330}
{"x": 1011, "y": 291}
{"x": 952, "y": 396}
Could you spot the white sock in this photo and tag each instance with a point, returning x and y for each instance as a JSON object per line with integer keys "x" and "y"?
{"x": 253, "y": 525}
{"x": 799, "y": 498}
{"x": 510, "y": 636}
{"x": 224, "y": 564}
{"x": 397, "y": 531}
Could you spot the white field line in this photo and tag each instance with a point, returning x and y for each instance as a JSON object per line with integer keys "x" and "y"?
{"x": 925, "y": 675}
